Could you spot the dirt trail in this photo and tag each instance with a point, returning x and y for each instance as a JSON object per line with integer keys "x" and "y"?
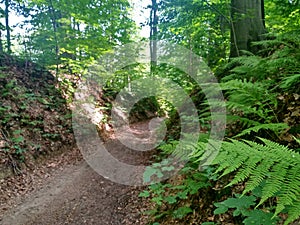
{"x": 78, "y": 195}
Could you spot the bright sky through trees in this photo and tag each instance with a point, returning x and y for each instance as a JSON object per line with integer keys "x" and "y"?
{"x": 14, "y": 21}
{"x": 141, "y": 14}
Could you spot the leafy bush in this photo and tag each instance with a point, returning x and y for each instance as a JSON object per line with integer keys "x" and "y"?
{"x": 169, "y": 197}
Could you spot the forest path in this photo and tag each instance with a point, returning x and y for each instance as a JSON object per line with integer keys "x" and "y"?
{"x": 78, "y": 195}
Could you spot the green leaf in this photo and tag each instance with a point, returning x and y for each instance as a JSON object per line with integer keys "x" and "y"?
{"x": 144, "y": 194}
{"x": 194, "y": 186}
{"x": 241, "y": 204}
{"x": 182, "y": 212}
{"x": 221, "y": 208}
{"x": 149, "y": 172}
{"x": 269, "y": 169}
{"x": 171, "y": 199}
{"x": 3, "y": 75}
{"x": 259, "y": 217}
{"x": 168, "y": 168}
{"x": 3, "y": 109}
{"x": 18, "y": 139}
{"x": 17, "y": 132}
{"x": 157, "y": 200}
{"x": 183, "y": 194}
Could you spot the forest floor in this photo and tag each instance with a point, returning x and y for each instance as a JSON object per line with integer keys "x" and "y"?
{"x": 66, "y": 190}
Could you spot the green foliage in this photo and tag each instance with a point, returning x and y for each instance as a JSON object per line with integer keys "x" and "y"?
{"x": 157, "y": 169}
{"x": 253, "y": 99}
{"x": 260, "y": 217}
{"x": 163, "y": 194}
{"x": 182, "y": 212}
{"x": 68, "y": 36}
{"x": 243, "y": 207}
{"x": 250, "y": 99}
{"x": 252, "y": 108}
{"x": 33, "y": 114}
{"x": 291, "y": 81}
{"x": 15, "y": 144}
{"x": 277, "y": 62}
{"x": 241, "y": 204}
{"x": 273, "y": 166}
{"x": 282, "y": 15}
{"x": 202, "y": 26}
{"x": 275, "y": 127}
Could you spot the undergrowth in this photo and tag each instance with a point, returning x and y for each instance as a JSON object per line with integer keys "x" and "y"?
{"x": 34, "y": 118}
{"x": 262, "y": 156}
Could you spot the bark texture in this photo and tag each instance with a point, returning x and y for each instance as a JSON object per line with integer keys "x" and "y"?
{"x": 247, "y": 25}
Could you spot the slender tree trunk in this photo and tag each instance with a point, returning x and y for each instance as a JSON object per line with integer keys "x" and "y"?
{"x": 1, "y": 44}
{"x": 247, "y": 25}
{"x": 55, "y": 26}
{"x": 78, "y": 29}
{"x": 153, "y": 33}
{"x": 8, "y": 38}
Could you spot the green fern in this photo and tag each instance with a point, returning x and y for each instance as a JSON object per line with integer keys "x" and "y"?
{"x": 252, "y": 107}
{"x": 243, "y": 121}
{"x": 250, "y": 98}
{"x": 278, "y": 62}
{"x": 247, "y": 63}
{"x": 276, "y": 127}
{"x": 272, "y": 166}
{"x": 293, "y": 80}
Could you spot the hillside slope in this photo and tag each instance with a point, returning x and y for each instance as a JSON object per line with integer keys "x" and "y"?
{"x": 34, "y": 118}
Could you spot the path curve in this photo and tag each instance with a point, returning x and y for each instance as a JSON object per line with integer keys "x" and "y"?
{"x": 78, "y": 195}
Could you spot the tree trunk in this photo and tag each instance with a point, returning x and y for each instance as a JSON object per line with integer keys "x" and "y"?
{"x": 55, "y": 26}
{"x": 7, "y": 27}
{"x": 247, "y": 25}
{"x": 153, "y": 33}
{"x": 1, "y": 44}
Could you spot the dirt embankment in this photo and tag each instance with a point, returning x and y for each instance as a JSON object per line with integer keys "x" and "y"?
{"x": 34, "y": 118}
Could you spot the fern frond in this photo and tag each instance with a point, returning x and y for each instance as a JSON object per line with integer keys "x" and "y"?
{"x": 289, "y": 81}
{"x": 234, "y": 163}
{"x": 294, "y": 213}
{"x": 273, "y": 167}
{"x": 247, "y": 60}
{"x": 245, "y": 171}
{"x": 277, "y": 149}
{"x": 270, "y": 43}
{"x": 276, "y": 127}
{"x": 273, "y": 184}
{"x": 259, "y": 175}
{"x": 250, "y": 99}
{"x": 290, "y": 191}
{"x": 224, "y": 161}
{"x": 245, "y": 122}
